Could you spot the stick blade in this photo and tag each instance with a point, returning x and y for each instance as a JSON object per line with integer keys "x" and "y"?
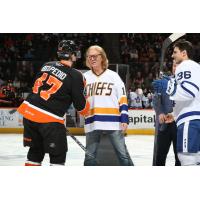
{"x": 12, "y": 111}
{"x": 173, "y": 37}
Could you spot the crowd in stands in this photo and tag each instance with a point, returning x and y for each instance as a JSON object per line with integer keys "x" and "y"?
{"x": 16, "y": 49}
{"x": 41, "y": 47}
{"x": 10, "y": 96}
{"x": 22, "y": 54}
{"x": 140, "y": 98}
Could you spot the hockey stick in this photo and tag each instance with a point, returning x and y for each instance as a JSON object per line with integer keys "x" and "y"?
{"x": 167, "y": 42}
{"x": 12, "y": 111}
{"x": 80, "y": 144}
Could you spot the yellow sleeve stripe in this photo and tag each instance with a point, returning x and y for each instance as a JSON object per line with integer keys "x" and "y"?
{"x": 123, "y": 100}
{"x": 114, "y": 111}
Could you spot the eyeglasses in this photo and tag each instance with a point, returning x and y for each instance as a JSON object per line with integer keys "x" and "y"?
{"x": 93, "y": 56}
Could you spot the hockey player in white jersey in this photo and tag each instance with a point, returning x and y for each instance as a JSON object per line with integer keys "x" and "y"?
{"x": 108, "y": 109}
{"x": 184, "y": 90}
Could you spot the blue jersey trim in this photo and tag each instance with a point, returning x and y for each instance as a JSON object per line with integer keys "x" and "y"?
{"x": 188, "y": 91}
{"x": 102, "y": 118}
{"x": 191, "y": 84}
{"x": 123, "y": 107}
{"x": 187, "y": 115}
{"x": 124, "y": 118}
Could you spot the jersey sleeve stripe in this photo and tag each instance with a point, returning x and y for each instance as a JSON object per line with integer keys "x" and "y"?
{"x": 104, "y": 111}
{"x": 190, "y": 84}
{"x": 187, "y": 90}
{"x": 102, "y": 118}
{"x": 37, "y": 115}
{"x": 124, "y": 112}
{"x": 123, "y": 108}
{"x": 124, "y": 118}
{"x": 123, "y": 100}
{"x": 188, "y": 114}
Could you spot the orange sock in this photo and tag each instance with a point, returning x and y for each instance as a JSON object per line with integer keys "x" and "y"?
{"x": 32, "y": 164}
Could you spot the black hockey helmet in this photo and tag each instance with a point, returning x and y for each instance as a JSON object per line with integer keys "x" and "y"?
{"x": 66, "y": 48}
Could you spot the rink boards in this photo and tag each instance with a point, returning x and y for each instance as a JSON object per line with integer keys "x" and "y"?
{"x": 141, "y": 122}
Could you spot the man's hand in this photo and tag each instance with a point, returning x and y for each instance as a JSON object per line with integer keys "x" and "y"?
{"x": 169, "y": 118}
{"x": 124, "y": 127}
{"x": 161, "y": 118}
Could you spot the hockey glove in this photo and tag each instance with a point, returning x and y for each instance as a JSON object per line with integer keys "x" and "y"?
{"x": 165, "y": 85}
{"x": 160, "y": 86}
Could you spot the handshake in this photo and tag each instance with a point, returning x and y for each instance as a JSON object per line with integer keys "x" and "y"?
{"x": 166, "y": 118}
{"x": 166, "y": 85}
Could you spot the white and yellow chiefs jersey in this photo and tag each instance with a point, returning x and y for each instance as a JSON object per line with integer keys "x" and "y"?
{"x": 108, "y": 101}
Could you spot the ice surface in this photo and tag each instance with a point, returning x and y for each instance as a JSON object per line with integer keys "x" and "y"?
{"x": 12, "y": 152}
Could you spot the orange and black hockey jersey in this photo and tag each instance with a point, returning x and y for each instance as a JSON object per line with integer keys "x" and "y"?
{"x": 56, "y": 87}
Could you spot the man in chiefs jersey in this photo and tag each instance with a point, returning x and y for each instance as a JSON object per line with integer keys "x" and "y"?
{"x": 108, "y": 107}
{"x": 56, "y": 87}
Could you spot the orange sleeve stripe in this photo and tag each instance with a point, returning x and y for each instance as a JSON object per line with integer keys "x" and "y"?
{"x": 123, "y": 100}
{"x": 114, "y": 111}
{"x": 36, "y": 116}
{"x": 86, "y": 109}
{"x": 27, "y": 139}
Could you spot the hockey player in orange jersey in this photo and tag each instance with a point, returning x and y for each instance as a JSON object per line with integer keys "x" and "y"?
{"x": 57, "y": 86}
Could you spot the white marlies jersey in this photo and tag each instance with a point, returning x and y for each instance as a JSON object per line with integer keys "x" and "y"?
{"x": 187, "y": 94}
{"x": 108, "y": 101}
